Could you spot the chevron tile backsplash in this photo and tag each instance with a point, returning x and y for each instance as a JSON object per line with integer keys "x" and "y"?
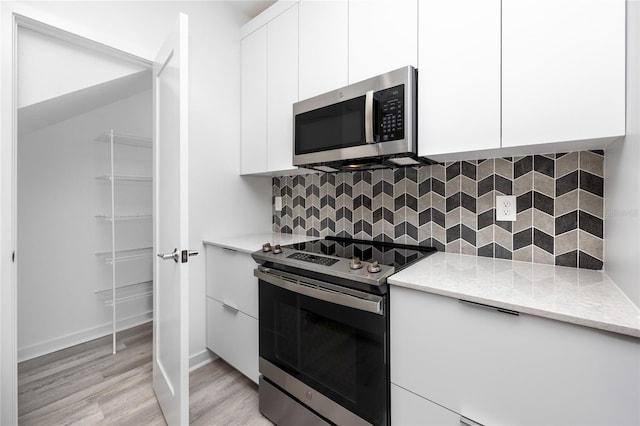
{"x": 452, "y": 207}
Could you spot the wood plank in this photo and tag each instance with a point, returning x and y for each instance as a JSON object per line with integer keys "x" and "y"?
{"x": 86, "y": 384}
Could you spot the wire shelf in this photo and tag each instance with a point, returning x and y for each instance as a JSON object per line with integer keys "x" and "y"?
{"x": 126, "y": 255}
{"x": 116, "y": 178}
{"x": 124, "y": 217}
{"x": 125, "y": 139}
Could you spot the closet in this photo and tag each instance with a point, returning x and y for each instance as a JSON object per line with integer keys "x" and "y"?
{"x": 84, "y": 195}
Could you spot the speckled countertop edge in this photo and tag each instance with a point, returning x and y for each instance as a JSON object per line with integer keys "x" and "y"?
{"x": 577, "y": 296}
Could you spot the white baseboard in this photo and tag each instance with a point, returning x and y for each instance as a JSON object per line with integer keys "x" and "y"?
{"x": 201, "y": 358}
{"x": 86, "y": 335}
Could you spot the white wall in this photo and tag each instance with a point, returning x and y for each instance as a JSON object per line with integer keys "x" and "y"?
{"x": 622, "y": 183}
{"x": 221, "y": 202}
{"x": 58, "y": 234}
{"x": 37, "y": 51}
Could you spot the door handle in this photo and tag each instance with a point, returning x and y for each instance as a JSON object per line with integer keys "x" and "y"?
{"x": 175, "y": 255}
{"x": 186, "y": 254}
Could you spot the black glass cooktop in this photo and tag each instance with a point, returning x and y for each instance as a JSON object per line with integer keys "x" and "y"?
{"x": 396, "y": 255}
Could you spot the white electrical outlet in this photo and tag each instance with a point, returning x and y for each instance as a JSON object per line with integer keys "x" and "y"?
{"x": 278, "y": 204}
{"x": 506, "y": 208}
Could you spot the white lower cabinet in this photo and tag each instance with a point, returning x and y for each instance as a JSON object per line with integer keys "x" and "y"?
{"x": 232, "y": 308}
{"x": 501, "y": 369}
{"x": 233, "y": 336}
{"x": 409, "y": 409}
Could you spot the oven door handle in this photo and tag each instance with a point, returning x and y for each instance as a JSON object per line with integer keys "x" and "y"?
{"x": 368, "y": 302}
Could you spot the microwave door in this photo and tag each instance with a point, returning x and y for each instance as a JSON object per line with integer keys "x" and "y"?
{"x": 336, "y": 132}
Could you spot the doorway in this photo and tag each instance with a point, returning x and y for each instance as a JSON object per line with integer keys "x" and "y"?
{"x": 84, "y": 193}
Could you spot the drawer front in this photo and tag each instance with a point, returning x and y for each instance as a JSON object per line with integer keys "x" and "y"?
{"x": 233, "y": 336}
{"x": 498, "y": 368}
{"x": 408, "y": 409}
{"x": 230, "y": 279}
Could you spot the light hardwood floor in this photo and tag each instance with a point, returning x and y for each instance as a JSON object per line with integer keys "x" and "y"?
{"x": 86, "y": 384}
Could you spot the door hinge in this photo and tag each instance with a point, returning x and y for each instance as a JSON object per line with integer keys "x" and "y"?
{"x": 13, "y": 257}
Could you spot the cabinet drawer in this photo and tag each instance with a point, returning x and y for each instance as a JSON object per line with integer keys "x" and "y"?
{"x": 498, "y": 368}
{"x": 230, "y": 279}
{"x": 233, "y": 336}
{"x": 408, "y": 409}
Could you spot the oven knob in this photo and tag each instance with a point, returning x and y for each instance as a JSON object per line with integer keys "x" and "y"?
{"x": 373, "y": 267}
{"x": 266, "y": 247}
{"x": 277, "y": 249}
{"x": 355, "y": 263}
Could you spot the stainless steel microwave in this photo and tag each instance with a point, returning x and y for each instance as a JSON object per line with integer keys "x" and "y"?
{"x": 369, "y": 124}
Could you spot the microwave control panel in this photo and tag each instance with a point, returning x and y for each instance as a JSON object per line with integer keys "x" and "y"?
{"x": 390, "y": 108}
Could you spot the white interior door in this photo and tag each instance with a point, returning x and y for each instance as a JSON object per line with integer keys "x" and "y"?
{"x": 171, "y": 227}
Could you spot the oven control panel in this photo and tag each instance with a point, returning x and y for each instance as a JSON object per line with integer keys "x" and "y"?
{"x": 312, "y": 258}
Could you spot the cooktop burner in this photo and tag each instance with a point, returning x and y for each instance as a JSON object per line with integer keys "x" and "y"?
{"x": 396, "y": 255}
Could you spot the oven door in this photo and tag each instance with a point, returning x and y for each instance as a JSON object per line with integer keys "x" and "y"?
{"x": 319, "y": 342}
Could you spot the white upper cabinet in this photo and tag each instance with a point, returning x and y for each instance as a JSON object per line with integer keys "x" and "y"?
{"x": 563, "y": 70}
{"x": 383, "y": 36}
{"x": 323, "y": 37}
{"x": 459, "y": 76}
{"x": 254, "y": 102}
{"x": 282, "y": 88}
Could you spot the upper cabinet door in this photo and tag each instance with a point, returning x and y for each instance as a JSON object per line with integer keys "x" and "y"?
{"x": 254, "y": 102}
{"x": 323, "y": 36}
{"x": 459, "y": 76}
{"x": 282, "y": 88}
{"x": 563, "y": 70}
{"x": 383, "y": 36}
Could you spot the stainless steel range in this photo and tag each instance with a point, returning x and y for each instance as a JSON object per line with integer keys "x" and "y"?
{"x": 324, "y": 330}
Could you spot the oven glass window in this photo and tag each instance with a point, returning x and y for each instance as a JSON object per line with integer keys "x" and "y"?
{"x": 340, "y": 125}
{"x": 336, "y": 350}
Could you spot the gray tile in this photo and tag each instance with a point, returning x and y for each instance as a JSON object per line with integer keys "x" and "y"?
{"x": 591, "y": 203}
{"x": 544, "y": 184}
{"x": 566, "y": 242}
{"x": 566, "y": 164}
{"x": 486, "y": 202}
{"x": 469, "y": 186}
{"x": 484, "y": 236}
{"x": 591, "y": 244}
{"x": 485, "y": 169}
{"x": 592, "y": 163}
{"x": 503, "y": 238}
{"x": 566, "y": 203}
{"x": 453, "y": 247}
{"x": 504, "y": 168}
{"x": 543, "y": 222}
{"x": 523, "y": 184}
{"x": 467, "y": 248}
{"x": 468, "y": 219}
{"x": 524, "y": 254}
{"x": 542, "y": 256}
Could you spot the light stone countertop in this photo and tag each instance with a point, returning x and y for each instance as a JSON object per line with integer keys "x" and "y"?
{"x": 573, "y": 295}
{"x": 252, "y": 242}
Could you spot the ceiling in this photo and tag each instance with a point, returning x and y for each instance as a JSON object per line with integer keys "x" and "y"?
{"x": 251, "y": 8}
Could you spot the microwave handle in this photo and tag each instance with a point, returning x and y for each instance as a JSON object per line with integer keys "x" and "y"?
{"x": 368, "y": 117}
